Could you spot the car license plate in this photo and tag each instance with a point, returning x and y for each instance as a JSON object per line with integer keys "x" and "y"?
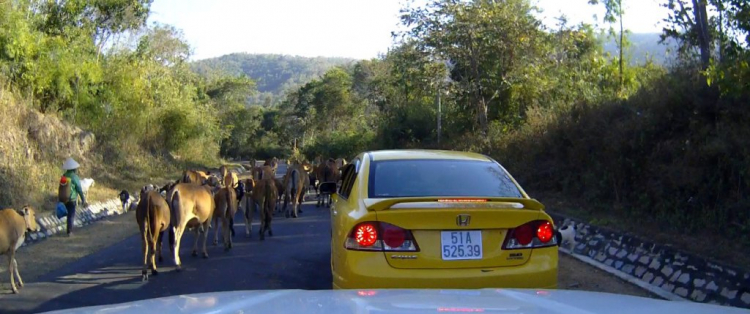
{"x": 461, "y": 245}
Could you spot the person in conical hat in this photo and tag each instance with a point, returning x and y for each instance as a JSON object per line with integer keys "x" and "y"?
{"x": 71, "y": 174}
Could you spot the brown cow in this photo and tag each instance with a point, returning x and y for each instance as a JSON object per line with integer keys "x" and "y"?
{"x": 152, "y": 216}
{"x": 13, "y": 227}
{"x": 273, "y": 163}
{"x": 295, "y": 183}
{"x": 194, "y": 176}
{"x": 191, "y": 205}
{"x": 226, "y": 207}
{"x": 280, "y": 189}
{"x": 223, "y": 171}
{"x": 247, "y": 206}
{"x": 264, "y": 195}
{"x": 327, "y": 173}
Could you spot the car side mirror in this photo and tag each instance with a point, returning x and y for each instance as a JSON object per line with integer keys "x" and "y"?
{"x": 334, "y": 197}
{"x": 327, "y": 188}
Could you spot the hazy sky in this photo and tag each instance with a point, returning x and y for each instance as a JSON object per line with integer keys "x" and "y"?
{"x": 338, "y": 28}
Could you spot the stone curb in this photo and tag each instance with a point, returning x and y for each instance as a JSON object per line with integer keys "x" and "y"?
{"x": 660, "y": 269}
{"x": 50, "y": 225}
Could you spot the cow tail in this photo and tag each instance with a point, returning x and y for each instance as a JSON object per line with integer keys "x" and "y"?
{"x": 295, "y": 188}
{"x": 147, "y": 223}
{"x": 269, "y": 199}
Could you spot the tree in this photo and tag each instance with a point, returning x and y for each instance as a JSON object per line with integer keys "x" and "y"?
{"x": 688, "y": 23}
{"x": 489, "y": 41}
{"x": 614, "y": 12}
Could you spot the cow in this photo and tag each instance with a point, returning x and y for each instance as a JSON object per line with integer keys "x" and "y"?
{"x": 153, "y": 218}
{"x": 273, "y": 163}
{"x": 223, "y": 171}
{"x": 192, "y": 176}
{"x": 327, "y": 173}
{"x": 226, "y": 207}
{"x": 247, "y": 205}
{"x": 294, "y": 188}
{"x": 340, "y": 163}
{"x": 240, "y": 190}
{"x": 279, "y": 182}
{"x": 13, "y": 227}
{"x": 214, "y": 182}
{"x": 230, "y": 180}
{"x": 191, "y": 205}
{"x": 264, "y": 195}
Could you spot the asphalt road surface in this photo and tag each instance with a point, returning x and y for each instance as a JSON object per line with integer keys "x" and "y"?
{"x": 296, "y": 257}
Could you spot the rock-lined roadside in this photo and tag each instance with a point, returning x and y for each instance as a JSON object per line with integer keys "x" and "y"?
{"x": 51, "y": 225}
{"x": 660, "y": 268}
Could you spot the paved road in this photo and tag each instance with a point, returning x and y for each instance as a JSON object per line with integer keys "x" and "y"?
{"x": 296, "y": 257}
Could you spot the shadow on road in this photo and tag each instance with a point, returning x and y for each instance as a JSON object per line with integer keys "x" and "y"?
{"x": 297, "y": 257}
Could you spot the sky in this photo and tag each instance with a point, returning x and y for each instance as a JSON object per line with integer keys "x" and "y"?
{"x": 359, "y": 29}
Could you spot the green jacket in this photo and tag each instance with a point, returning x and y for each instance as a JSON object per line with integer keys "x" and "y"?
{"x": 73, "y": 176}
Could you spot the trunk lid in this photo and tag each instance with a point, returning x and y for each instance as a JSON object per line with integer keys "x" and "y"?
{"x": 440, "y": 224}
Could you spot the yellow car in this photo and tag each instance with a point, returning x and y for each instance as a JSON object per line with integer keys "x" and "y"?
{"x": 437, "y": 219}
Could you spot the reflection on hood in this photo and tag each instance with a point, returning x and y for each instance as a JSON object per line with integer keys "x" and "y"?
{"x": 407, "y": 301}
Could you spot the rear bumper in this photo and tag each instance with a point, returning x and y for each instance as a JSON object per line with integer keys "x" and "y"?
{"x": 370, "y": 270}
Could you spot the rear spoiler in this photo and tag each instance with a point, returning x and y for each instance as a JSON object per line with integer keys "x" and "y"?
{"x": 452, "y": 202}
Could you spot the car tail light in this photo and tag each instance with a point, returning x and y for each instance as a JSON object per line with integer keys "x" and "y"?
{"x": 544, "y": 232}
{"x": 534, "y": 234}
{"x": 366, "y": 235}
{"x": 380, "y": 236}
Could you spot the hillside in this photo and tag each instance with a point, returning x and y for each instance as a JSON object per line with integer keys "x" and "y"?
{"x": 273, "y": 73}
{"x": 643, "y": 46}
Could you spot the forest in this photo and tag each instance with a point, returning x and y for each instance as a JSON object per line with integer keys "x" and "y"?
{"x": 274, "y": 75}
{"x": 643, "y": 140}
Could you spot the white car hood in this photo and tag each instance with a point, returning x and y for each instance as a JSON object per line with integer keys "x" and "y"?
{"x": 407, "y": 301}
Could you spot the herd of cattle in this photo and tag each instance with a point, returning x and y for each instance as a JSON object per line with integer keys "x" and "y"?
{"x": 199, "y": 198}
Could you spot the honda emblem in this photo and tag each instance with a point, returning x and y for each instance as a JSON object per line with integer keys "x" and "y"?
{"x": 463, "y": 220}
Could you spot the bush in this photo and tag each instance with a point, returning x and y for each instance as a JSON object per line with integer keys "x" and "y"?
{"x": 674, "y": 152}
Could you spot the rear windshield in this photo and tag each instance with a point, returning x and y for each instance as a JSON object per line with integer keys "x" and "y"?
{"x": 425, "y": 177}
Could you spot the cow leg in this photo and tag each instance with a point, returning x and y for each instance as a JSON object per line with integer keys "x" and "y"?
{"x": 178, "y": 231}
{"x": 249, "y": 216}
{"x": 152, "y": 253}
{"x": 286, "y": 202}
{"x": 12, "y": 257}
{"x": 205, "y": 239}
{"x": 231, "y": 226}
{"x": 18, "y": 275}
{"x": 159, "y": 246}
{"x": 300, "y": 201}
{"x": 216, "y": 232}
{"x": 268, "y": 225}
{"x": 197, "y": 235}
{"x": 144, "y": 249}
{"x": 227, "y": 234}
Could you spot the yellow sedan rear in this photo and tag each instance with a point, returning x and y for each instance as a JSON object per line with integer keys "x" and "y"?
{"x": 437, "y": 219}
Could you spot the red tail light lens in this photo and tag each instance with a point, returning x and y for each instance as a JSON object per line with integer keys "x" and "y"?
{"x": 534, "y": 234}
{"x": 524, "y": 234}
{"x": 393, "y": 236}
{"x": 380, "y": 236}
{"x": 544, "y": 232}
{"x": 366, "y": 234}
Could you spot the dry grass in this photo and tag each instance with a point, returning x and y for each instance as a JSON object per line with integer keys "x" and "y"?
{"x": 33, "y": 147}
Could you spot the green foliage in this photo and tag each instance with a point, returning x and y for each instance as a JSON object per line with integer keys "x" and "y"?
{"x": 274, "y": 74}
